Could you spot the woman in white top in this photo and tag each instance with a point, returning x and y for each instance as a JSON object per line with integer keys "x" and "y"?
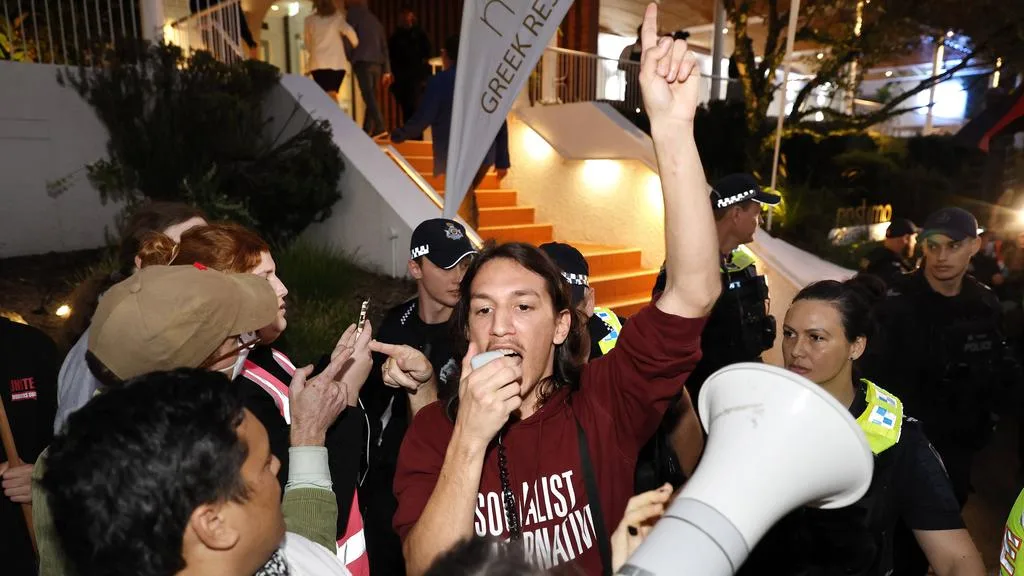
{"x": 324, "y": 30}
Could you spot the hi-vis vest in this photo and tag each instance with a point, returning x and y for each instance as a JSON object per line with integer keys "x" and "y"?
{"x": 608, "y": 317}
{"x": 1011, "y": 561}
{"x": 740, "y": 259}
{"x": 882, "y": 420}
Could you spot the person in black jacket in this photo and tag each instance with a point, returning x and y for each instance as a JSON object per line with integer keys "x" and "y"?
{"x": 943, "y": 353}
{"x": 28, "y": 389}
{"x": 891, "y": 260}
{"x": 440, "y": 252}
{"x": 409, "y": 50}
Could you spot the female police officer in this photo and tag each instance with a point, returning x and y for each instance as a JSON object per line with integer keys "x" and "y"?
{"x": 826, "y": 330}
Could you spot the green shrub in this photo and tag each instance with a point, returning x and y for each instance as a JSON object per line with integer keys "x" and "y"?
{"x": 194, "y": 129}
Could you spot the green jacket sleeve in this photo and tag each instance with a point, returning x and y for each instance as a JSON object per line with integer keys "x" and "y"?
{"x": 312, "y": 513}
{"x": 51, "y": 556}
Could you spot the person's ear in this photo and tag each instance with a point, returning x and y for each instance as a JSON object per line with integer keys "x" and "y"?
{"x": 563, "y": 323}
{"x": 415, "y": 270}
{"x": 858, "y": 347}
{"x": 210, "y": 524}
{"x": 975, "y": 246}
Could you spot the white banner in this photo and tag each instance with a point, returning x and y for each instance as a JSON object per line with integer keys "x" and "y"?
{"x": 500, "y": 44}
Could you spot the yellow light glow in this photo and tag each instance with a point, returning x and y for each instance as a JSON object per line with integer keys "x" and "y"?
{"x": 820, "y": 55}
{"x": 652, "y": 190}
{"x": 601, "y": 173}
{"x": 275, "y": 7}
{"x": 63, "y": 311}
{"x": 888, "y": 73}
{"x": 293, "y": 9}
{"x": 1020, "y": 216}
{"x": 537, "y": 148}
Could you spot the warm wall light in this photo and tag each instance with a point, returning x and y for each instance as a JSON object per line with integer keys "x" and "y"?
{"x": 293, "y": 9}
{"x": 652, "y": 189}
{"x": 601, "y": 173}
{"x": 888, "y": 73}
{"x": 275, "y": 7}
{"x": 821, "y": 55}
{"x": 63, "y": 311}
{"x": 537, "y": 148}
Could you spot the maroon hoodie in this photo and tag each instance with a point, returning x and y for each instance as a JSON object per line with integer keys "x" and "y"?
{"x": 620, "y": 403}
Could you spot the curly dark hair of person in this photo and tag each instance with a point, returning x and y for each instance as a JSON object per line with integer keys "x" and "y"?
{"x": 482, "y": 557}
{"x": 125, "y": 475}
{"x": 570, "y": 356}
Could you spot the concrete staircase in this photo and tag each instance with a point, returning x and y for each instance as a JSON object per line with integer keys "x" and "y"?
{"x": 619, "y": 279}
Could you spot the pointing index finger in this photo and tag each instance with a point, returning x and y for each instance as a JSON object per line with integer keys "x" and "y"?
{"x": 649, "y": 30}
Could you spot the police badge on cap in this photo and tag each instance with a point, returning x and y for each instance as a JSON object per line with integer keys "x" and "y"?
{"x": 442, "y": 241}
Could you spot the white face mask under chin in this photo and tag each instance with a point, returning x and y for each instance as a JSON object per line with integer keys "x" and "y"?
{"x": 237, "y": 368}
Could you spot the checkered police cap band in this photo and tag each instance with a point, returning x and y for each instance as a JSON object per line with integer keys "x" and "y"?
{"x": 419, "y": 251}
{"x": 727, "y": 201}
{"x": 577, "y": 279}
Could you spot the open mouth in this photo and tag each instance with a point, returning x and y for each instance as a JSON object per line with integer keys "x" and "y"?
{"x": 509, "y": 352}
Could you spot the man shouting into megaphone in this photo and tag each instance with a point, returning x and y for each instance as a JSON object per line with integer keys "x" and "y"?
{"x": 540, "y": 448}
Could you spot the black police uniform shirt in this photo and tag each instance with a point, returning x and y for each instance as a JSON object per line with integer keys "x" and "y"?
{"x": 885, "y": 264}
{"x": 388, "y": 412}
{"x": 345, "y": 440}
{"x": 908, "y": 484}
{"x": 946, "y": 358}
{"x": 28, "y": 377}
{"x": 722, "y": 341}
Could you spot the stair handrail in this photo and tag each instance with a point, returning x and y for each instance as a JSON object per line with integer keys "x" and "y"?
{"x": 429, "y": 190}
{"x": 212, "y": 19}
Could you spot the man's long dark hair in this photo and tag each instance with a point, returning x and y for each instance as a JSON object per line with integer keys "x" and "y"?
{"x": 570, "y": 356}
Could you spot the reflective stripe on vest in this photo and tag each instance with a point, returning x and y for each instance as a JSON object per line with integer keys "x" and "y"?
{"x": 1011, "y": 559}
{"x": 352, "y": 545}
{"x": 277, "y": 390}
{"x": 882, "y": 420}
{"x": 608, "y": 317}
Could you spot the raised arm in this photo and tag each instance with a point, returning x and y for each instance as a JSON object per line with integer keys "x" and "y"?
{"x": 670, "y": 81}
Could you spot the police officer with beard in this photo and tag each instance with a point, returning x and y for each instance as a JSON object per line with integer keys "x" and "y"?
{"x": 943, "y": 353}
{"x": 739, "y": 328}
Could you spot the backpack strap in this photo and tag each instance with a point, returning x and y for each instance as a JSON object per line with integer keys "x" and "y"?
{"x": 603, "y": 542}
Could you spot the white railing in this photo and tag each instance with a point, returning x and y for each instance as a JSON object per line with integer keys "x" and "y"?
{"x": 213, "y": 26}
{"x": 66, "y": 31}
{"x": 565, "y": 76}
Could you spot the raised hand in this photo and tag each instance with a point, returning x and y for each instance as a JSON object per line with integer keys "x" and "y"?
{"x": 487, "y": 397}
{"x": 353, "y": 374}
{"x": 316, "y": 404}
{"x": 669, "y": 74}
{"x": 642, "y": 511}
{"x": 406, "y": 367}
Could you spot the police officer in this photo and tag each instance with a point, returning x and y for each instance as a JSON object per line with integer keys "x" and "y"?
{"x": 439, "y": 254}
{"x": 602, "y": 324}
{"x": 825, "y": 333}
{"x": 891, "y": 260}
{"x": 943, "y": 353}
{"x": 739, "y": 328}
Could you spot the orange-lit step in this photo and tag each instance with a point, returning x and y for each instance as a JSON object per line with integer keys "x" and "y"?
{"x": 506, "y": 216}
{"x": 415, "y": 148}
{"x": 421, "y": 164}
{"x": 495, "y": 198}
{"x": 490, "y": 181}
{"x": 610, "y": 287}
{"x": 535, "y": 234}
{"x": 610, "y": 260}
{"x": 627, "y": 307}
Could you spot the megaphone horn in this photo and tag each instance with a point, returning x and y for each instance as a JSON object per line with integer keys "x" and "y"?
{"x": 776, "y": 441}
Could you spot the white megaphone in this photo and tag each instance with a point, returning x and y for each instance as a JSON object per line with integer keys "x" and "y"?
{"x": 776, "y": 441}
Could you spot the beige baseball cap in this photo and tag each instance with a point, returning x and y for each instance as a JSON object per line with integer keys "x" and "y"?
{"x": 167, "y": 317}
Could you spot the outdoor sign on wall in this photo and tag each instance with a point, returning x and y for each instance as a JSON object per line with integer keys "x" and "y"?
{"x": 859, "y": 223}
{"x": 500, "y": 44}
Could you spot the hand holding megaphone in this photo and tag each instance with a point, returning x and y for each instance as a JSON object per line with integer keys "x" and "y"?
{"x": 488, "y": 395}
